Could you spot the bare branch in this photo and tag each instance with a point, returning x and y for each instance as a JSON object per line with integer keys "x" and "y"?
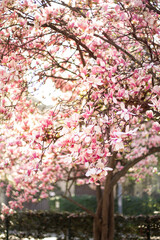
{"x": 121, "y": 173}
{"x": 70, "y": 36}
{"x": 79, "y": 205}
{"x": 81, "y": 55}
{"x": 74, "y": 9}
{"x": 110, "y": 41}
{"x": 151, "y": 7}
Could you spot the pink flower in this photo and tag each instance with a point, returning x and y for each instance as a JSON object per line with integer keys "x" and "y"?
{"x": 87, "y": 139}
{"x": 156, "y": 126}
{"x": 124, "y": 112}
{"x": 43, "y": 195}
{"x": 87, "y": 114}
{"x": 156, "y": 90}
{"x": 118, "y": 145}
{"x": 98, "y": 172}
{"x": 149, "y": 114}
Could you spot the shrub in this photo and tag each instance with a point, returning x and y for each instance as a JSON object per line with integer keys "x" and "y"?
{"x": 146, "y": 205}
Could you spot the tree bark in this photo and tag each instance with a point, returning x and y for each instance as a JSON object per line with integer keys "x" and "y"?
{"x": 97, "y": 221}
{"x": 111, "y": 217}
{"x": 103, "y": 226}
{"x": 97, "y": 229}
{"x": 108, "y": 214}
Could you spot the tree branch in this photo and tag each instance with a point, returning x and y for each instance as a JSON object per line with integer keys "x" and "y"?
{"x": 63, "y": 32}
{"x": 151, "y": 7}
{"x": 74, "y": 9}
{"x": 79, "y": 205}
{"x": 110, "y": 41}
{"x": 121, "y": 173}
{"x": 81, "y": 55}
{"x": 70, "y": 36}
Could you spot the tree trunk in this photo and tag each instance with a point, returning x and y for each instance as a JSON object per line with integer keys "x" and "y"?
{"x": 103, "y": 226}
{"x": 111, "y": 217}
{"x": 97, "y": 229}
{"x": 97, "y": 220}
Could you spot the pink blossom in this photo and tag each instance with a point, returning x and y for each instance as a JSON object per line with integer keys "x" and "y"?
{"x": 98, "y": 172}
{"x": 87, "y": 139}
{"x": 118, "y": 145}
{"x": 149, "y": 114}
{"x": 156, "y": 89}
{"x": 156, "y": 126}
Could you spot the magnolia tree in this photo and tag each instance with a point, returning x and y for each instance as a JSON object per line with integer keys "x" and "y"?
{"x": 103, "y": 57}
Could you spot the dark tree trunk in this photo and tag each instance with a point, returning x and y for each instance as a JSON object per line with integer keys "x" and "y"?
{"x": 104, "y": 219}
{"x": 111, "y": 217}
{"x": 103, "y": 226}
{"x": 97, "y": 227}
